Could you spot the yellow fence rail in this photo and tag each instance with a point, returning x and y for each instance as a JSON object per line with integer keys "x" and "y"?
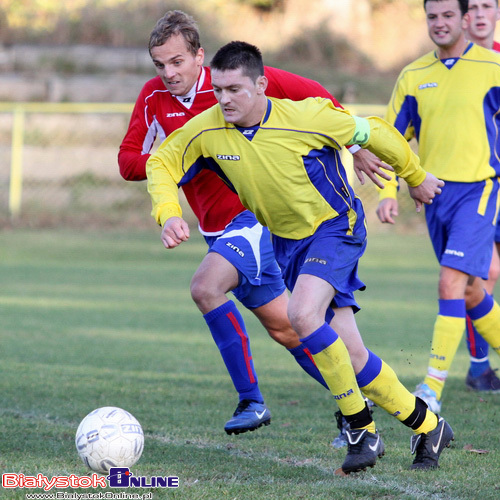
{"x": 21, "y": 110}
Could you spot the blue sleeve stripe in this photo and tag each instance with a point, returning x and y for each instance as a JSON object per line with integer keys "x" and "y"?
{"x": 327, "y": 174}
{"x": 491, "y": 109}
{"x": 408, "y": 116}
{"x": 195, "y": 169}
{"x": 194, "y": 138}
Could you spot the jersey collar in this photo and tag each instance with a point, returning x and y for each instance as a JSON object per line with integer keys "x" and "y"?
{"x": 449, "y": 62}
{"x": 268, "y": 111}
{"x": 201, "y": 78}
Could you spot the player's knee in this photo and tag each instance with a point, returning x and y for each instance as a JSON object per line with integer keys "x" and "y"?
{"x": 302, "y": 320}
{"x": 285, "y": 336}
{"x": 494, "y": 272}
{"x": 453, "y": 286}
{"x": 474, "y": 294}
{"x": 202, "y": 293}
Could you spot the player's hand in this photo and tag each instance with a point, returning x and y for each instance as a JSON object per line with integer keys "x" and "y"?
{"x": 387, "y": 209}
{"x": 365, "y": 161}
{"x": 174, "y": 232}
{"x": 426, "y": 192}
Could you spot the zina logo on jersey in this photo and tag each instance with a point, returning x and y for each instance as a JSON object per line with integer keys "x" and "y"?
{"x": 228, "y": 157}
{"x": 427, "y": 85}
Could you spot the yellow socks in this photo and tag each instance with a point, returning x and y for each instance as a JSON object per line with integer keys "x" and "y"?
{"x": 379, "y": 382}
{"x": 448, "y": 331}
{"x": 486, "y": 319}
{"x": 332, "y": 359}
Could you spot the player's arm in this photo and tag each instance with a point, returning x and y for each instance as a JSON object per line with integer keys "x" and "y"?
{"x": 398, "y": 113}
{"x": 388, "y": 206}
{"x": 172, "y": 165}
{"x": 163, "y": 177}
{"x": 365, "y": 162}
{"x": 382, "y": 139}
{"x": 131, "y": 160}
{"x": 283, "y": 84}
{"x": 174, "y": 232}
{"x": 387, "y": 209}
{"x": 163, "y": 188}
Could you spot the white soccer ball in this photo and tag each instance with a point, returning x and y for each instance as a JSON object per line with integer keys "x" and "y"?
{"x": 109, "y": 437}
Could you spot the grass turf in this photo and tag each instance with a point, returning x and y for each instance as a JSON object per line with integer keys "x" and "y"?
{"x": 104, "y": 318}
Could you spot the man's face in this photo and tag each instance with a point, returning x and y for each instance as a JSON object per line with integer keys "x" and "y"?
{"x": 238, "y": 96}
{"x": 177, "y": 67}
{"x": 445, "y": 22}
{"x": 483, "y": 15}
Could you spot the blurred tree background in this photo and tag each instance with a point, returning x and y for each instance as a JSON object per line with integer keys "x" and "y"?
{"x": 58, "y": 52}
{"x": 353, "y": 47}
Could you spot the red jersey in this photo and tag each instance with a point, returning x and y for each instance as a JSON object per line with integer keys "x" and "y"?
{"x": 496, "y": 46}
{"x": 157, "y": 114}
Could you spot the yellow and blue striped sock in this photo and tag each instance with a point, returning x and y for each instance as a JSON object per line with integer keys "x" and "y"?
{"x": 448, "y": 331}
{"x": 379, "y": 382}
{"x": 486, "y": 319}
{"x": 332, "y": 359}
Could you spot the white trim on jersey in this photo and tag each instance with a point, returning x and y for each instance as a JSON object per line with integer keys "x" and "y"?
{"x": 201, "y": 79}
{"x": 147, "y": 105}
{"x": 154, "y": 130}
{"x": 209, "y": 233}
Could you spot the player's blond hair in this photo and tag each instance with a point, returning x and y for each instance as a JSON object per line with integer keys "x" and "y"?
{"x": 176, "y": 22}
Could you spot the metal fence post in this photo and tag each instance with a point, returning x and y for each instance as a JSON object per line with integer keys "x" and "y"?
{"x": 16, "y": 166}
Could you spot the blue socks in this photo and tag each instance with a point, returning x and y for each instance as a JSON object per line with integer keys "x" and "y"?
{"x": 304, "y": 358}
{"x": 229, "y": 333}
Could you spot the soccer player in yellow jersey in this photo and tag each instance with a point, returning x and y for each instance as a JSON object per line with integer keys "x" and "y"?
{"x": 282, "y": 158}
{"x": 483, "y": 16}
{"x": 449, "y": 100}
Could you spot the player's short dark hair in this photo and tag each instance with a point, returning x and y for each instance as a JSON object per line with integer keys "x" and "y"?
{"x": 463, "y": 4}
{"x": 176, "y": 22}
{"x": 235, "y": 55}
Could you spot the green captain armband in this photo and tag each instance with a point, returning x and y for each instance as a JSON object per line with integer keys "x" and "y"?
{"x": 361, "y": 133}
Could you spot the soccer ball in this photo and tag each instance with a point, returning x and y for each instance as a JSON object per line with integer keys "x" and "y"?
{"x": 109, "y": 437}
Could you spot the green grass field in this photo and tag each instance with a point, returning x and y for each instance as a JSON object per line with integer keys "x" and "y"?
{"x": 104, "y": 318}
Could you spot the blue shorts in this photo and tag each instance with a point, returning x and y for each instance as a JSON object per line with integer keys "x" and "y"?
{"x": 461, "y": 223}
{"x": 497, "y": 230}
{"x": 246, "y": 244}
{"x": 331, "y": 253}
